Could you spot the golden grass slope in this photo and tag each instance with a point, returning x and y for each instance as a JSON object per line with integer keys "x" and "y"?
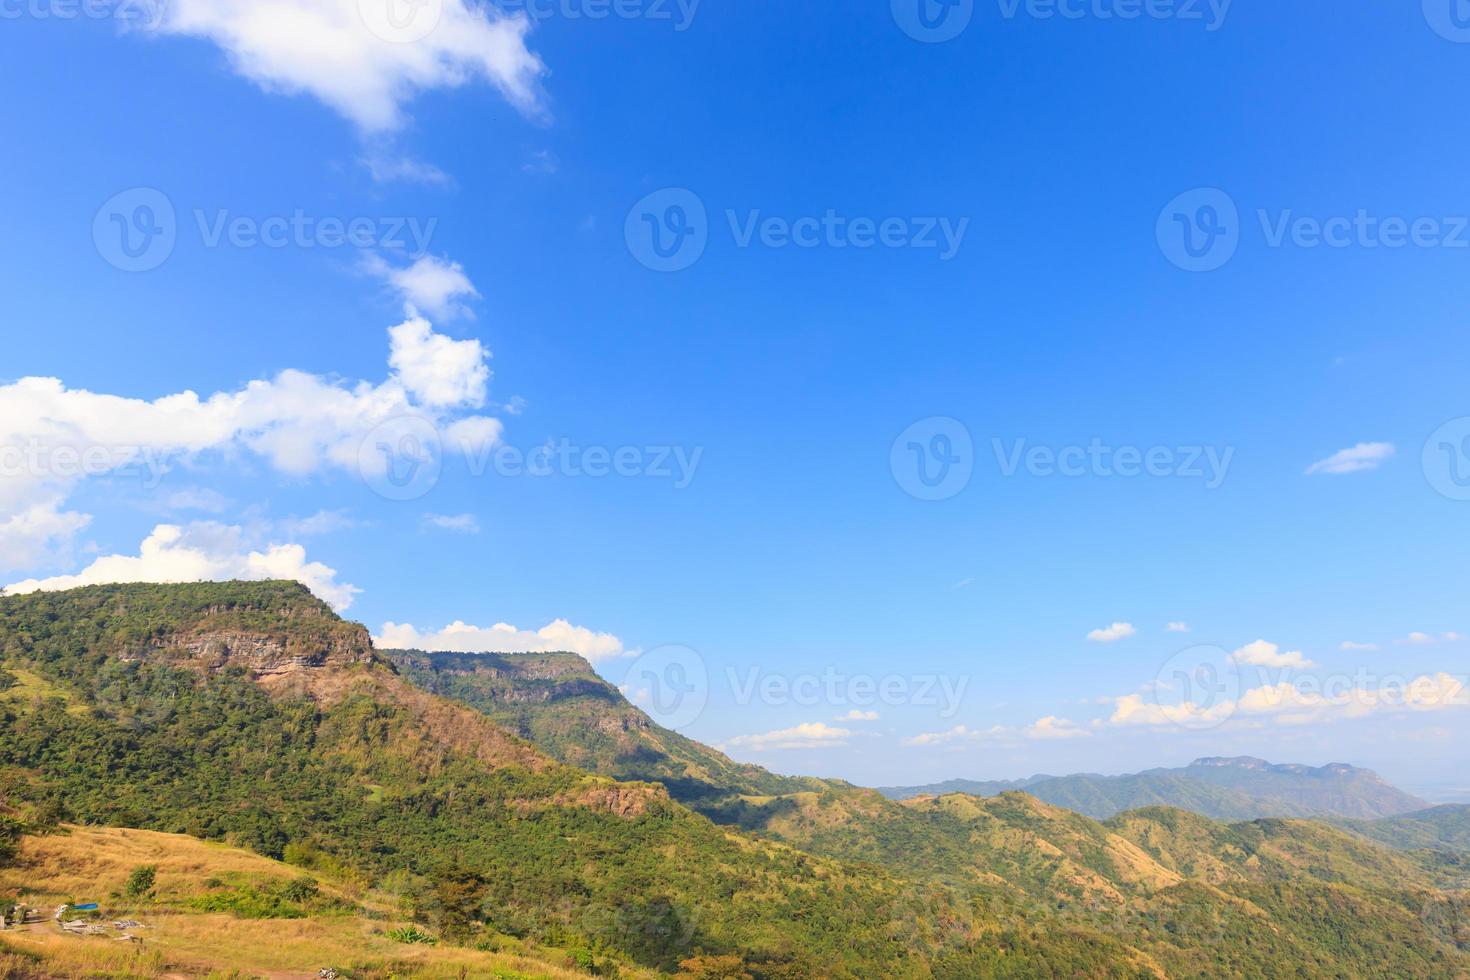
{"x": 91, "y": 864}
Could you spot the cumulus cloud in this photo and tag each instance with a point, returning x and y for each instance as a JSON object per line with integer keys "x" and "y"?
{"x": 52, "y": 438}
{"x": 198, "y": 553}
{"x": 460, "y": 637}
{"x": 435, "y": 285}
{"x": 857, "y": 714}
{"x": 440, "y": 372}
{"x": 810, "y": 735}
{"x": 1112, "y": 634}
{"x": 1363, "y": 456}
{"x": 351, "y": 56}
{"x": 1263, "y": 654}
{"x": 1177, "y": 627}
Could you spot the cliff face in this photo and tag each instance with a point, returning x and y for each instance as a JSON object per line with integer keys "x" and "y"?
{"x": 263, "y": 655}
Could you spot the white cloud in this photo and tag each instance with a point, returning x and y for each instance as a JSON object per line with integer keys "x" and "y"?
{"x": 458, "y": 523}
{"x": 1043, "y": 729}
{"x": 202, "y": 552}
{"x": 460, "y": 637}
{"x": 435, "y": 285}
{"x": 365, "y": 71}
{"x": 53, "y": 438}
{"x": 1301, "y": 702}
{"x": 440, "y": 372}
{"x": 1052, "y": 727}
{"x": 386, "y": 165}
{"x": 1350, "y": 646}
{"x": 1418, "y": 638}
{"x": 1451, "y": 637}
{"x": 1112, "y": 634}
{"x": 1177, "y": 627}
{"x": 1263, "y": 654}
{"x": 29, "y": 536}
{"x": 857, "y": 714}
{"x": 809, "y": 735}
{"x": 1363, "y": 456}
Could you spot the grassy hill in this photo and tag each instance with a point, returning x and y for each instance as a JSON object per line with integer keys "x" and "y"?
{"x": 213, "y": 909}
{"x": 248, "y": 714}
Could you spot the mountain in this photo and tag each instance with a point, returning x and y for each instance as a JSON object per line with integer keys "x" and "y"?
{"x": 1444, "y": 828}
{"x": 1223, "y": 788}
{"x": 249, "y": 714}
{"x": 559, "y": 703}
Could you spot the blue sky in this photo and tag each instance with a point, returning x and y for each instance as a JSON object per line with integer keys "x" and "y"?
{"x": 1059, "y": 153}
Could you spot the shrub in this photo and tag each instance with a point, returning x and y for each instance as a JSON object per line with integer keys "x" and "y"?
{"x": 140, "y": 882}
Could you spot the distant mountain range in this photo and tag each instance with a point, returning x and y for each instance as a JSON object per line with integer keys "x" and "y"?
{"x": 1241, "y": 788}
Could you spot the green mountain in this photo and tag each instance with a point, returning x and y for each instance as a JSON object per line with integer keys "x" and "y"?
{"x": 248, "y": 713}
{"x": 1221, "y": 788}
{"x": 558, "y": 702}
{"x": 1442, "y": 828}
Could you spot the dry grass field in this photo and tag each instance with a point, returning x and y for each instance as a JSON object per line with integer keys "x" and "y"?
{"x": 87, "y": 864}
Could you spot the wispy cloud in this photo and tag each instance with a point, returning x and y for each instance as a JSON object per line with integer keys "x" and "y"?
{"x": 1363, "y": 456}
{"x": 458, "y": 523}
{"x": 810, "y": 735}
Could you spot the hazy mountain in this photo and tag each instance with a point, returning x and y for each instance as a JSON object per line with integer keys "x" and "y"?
{"x": 1222, "y": 788}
